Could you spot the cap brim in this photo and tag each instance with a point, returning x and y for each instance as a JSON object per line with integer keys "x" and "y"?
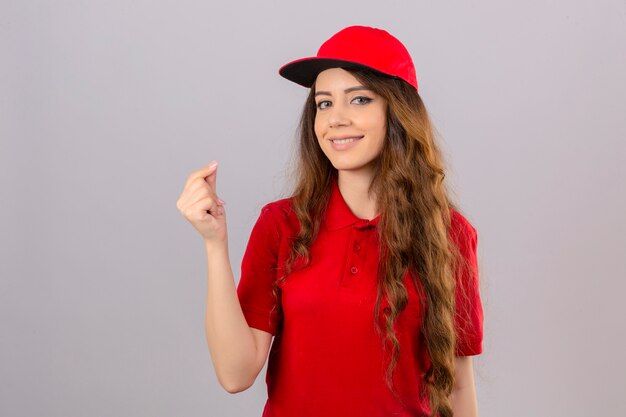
{"x": 304, "y": 71}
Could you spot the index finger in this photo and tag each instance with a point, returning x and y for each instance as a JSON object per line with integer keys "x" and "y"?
{"x": 201, "y": 173}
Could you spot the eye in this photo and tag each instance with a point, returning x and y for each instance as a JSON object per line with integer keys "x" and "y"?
{"x": 366, "y": 99}
{"x": 319, "y": 105}
{"x": 363, "y": 99}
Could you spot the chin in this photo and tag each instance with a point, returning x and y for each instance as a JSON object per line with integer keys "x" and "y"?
{"x": 348, "y": 165}
{"x": 348, "y": 161}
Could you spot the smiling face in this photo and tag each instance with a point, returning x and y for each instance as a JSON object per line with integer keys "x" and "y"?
{"x": 347, "y": 109}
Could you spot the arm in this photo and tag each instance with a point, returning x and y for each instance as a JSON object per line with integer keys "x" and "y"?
{"x": 238, "y": 351}
{"x": 464, "y": 393}
{"x": 231, "y": 342}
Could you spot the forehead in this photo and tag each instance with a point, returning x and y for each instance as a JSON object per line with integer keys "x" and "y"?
{"x": 335, "y": 78}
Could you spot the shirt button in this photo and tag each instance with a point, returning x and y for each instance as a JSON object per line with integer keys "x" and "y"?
{"x": 354, "y": 270}
{"x": 357, "y": 247}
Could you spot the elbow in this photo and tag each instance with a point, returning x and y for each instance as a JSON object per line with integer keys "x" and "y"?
{"x": 234, "y": 388}
{"x": 235, "y": 380}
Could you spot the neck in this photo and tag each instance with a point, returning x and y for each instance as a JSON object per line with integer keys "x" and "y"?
{"x": 354, "y": 189}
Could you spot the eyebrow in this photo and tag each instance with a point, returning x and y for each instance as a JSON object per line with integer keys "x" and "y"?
{"x": 347, "y": 90}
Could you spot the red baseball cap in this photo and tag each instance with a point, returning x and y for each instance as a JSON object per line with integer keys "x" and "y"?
{"x": 355, "y": 47}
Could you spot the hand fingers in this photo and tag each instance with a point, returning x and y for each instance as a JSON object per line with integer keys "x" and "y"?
{"x": 199, "y": 187}
{"x": 205, "y": 207}
{"x": 201, "y": 173}
{"x": 197, "y": 191}
{"x": 211, "y": 179}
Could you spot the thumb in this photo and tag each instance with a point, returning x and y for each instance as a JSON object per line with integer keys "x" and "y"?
{"x": 211, "y": 179}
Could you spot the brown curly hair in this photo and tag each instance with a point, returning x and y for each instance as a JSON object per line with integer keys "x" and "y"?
{"x": 413, "y": 232}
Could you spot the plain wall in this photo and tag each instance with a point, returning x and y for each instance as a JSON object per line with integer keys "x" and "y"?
{"x": 107, "y": 106}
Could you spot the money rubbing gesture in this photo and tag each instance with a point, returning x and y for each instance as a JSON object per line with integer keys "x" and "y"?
{"x": 202, "y": 207}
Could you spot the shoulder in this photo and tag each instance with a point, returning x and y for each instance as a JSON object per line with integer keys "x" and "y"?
{"x": 461, "y": 227}
{"x": 281, "y": 214}
{"x": 281, "y": 207}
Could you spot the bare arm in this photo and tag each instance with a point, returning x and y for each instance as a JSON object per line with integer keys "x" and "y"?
{"x": 463, "y": 397}
{"x": 232, "y": 343}
{"x": 237, "y": 351}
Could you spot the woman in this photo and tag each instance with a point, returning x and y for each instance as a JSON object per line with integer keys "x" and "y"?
{"x": 366, "y": 276}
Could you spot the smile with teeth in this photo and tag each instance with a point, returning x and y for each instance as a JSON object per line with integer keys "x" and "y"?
{"x": 340, "y": 141}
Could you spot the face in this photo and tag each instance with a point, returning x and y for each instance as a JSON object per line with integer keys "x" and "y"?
{"x": 346, "y": 109}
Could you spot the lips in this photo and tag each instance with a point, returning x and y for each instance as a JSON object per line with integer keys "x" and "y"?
{"x": 333, "y": 138}
{"x": 349, "y": 144}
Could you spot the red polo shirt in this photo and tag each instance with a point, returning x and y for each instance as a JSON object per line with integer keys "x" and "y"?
{"x": 326, "y": 359}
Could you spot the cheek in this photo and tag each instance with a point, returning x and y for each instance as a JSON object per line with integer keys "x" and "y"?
{"x": 381, "y": 136}
{"x": 379, "y": 126}
{"x": 317, "y": 128}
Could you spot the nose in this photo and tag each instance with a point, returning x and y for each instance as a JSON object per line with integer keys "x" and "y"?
{"x": 338, "y": 116}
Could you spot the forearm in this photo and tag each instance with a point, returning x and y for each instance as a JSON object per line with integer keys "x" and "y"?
{"x": 464, "y": 402}
{"x": 230, "y": 340}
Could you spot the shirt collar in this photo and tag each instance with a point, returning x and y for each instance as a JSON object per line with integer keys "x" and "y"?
{"x": 339, "y": 215}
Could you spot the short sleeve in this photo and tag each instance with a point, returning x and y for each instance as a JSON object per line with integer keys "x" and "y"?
{"x": 469, "y": 311}
{"x": 258, "y": 272}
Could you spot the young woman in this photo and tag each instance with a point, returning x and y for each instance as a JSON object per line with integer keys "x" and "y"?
{"x": 366, "y": 277}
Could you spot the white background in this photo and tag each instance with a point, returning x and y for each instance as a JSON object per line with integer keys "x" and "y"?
{"x": 107, "y": 106}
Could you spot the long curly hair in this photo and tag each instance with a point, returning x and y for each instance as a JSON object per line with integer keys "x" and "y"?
{"x": 413, "y": 230}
